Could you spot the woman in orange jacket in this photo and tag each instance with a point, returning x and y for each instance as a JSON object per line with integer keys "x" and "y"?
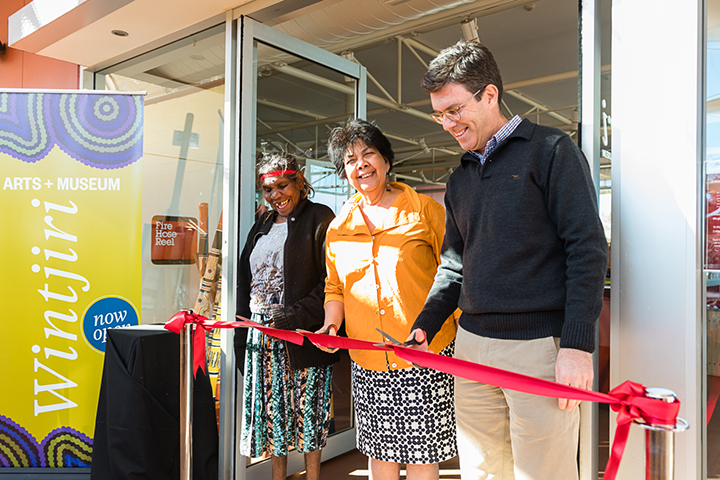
{"x": 382, "y": 253}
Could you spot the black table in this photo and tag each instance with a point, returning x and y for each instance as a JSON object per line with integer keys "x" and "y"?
{"x": 137, "y": 431}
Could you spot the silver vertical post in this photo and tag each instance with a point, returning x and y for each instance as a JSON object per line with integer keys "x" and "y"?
{"x": 589, "y": 141}
{"x": 186, "y": 401}
{"x": 660, "y": 441}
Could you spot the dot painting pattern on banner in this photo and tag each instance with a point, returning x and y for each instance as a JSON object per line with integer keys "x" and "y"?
{"x": 63, "y": 447}
{"x": 97, "y": 130}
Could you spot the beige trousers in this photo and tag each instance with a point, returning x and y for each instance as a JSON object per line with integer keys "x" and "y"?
{"x": 507, "y": 435}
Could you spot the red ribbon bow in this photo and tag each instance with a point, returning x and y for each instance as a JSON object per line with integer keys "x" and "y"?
{"x": 178, "y": 322}
{"x": 632, "y": 405}
{"x": 203, "y": 324}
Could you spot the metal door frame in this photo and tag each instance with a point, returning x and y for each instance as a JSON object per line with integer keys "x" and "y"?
{"x": 239, "y": 207}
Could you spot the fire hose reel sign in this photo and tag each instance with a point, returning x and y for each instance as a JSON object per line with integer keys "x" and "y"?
{"x": 173, "y": 239}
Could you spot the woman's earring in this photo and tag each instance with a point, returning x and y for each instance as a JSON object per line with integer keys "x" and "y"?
{"x": 387, "y": 184}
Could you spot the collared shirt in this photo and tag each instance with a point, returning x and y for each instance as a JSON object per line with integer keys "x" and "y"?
{"x": 499, "y": 137}
{"x": 384, "y": 277}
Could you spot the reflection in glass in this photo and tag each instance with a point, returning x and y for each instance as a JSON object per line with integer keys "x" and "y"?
{"x": 182, "y": 175}
{"x": 297, "y": 103}
{"x": 713, "y": 373}
{"x": 605, "y": 211}
{"x": 182, "y": 162}
{"x": 712, "y": 236}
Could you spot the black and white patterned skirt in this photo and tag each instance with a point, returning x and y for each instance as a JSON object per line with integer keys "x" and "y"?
{"x": 405, "y": 416}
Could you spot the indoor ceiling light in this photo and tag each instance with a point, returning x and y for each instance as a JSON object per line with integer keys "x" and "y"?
{"x": 469, "y": 29}
{"x": 120, "y": 33}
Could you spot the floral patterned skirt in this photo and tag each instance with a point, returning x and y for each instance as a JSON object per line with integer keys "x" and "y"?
{"x": 282, "y": 408}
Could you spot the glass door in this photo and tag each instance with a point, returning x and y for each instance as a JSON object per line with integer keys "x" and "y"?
{"x": 291, "y": 94}
{"x": 712, "y": 240}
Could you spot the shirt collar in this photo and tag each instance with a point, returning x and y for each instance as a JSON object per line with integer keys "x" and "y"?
{"x": 405, "y": 209}
{"x": 497, "y": 139}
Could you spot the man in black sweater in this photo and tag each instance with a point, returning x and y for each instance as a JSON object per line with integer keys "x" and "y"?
{"x": 524, "y": 258}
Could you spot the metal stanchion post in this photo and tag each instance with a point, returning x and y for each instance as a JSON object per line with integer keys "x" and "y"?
{"x": 186, "y": 401}
{"x": 660, "y": 440}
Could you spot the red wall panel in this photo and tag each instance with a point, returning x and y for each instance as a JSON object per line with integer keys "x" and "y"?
{"x": 11, "y": 60}
{"x": 20, "y": 69}
{"x": 44, "y": 72}
{"x": 11, "y": 67}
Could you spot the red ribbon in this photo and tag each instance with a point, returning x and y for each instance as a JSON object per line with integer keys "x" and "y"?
{"x": 203, "y": 324}
{"x": 178, "y": 322}
{"x": 627, "y": 399}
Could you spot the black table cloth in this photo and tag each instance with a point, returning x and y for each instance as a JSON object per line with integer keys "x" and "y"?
{"x": 137, "y": 430}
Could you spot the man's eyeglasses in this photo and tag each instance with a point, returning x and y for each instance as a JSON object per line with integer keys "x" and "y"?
{"x": 453, "y": 113}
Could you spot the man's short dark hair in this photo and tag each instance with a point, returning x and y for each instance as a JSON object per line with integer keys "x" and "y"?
{"x": 342, "y": 138}
{"x": 466, "y": 63}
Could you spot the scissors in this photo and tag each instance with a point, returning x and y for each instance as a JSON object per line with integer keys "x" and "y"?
{"x": 409, "y": 343}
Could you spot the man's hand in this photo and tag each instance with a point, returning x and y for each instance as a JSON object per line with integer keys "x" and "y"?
{"x": 575, "y": 368}
{"x": 420, "y": 340}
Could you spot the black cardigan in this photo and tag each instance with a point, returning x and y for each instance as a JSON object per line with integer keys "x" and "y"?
{"x": 524, "y": 254}
{"x": 304, "y": 280}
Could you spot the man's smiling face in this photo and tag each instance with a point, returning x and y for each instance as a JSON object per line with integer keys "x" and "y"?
{"x": 477, "y": 123}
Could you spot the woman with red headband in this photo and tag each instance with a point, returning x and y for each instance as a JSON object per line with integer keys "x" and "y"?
{"x": 281, "y": 277}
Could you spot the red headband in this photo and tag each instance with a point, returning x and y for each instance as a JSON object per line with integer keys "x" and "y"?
{"x": 276, "y": 173}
